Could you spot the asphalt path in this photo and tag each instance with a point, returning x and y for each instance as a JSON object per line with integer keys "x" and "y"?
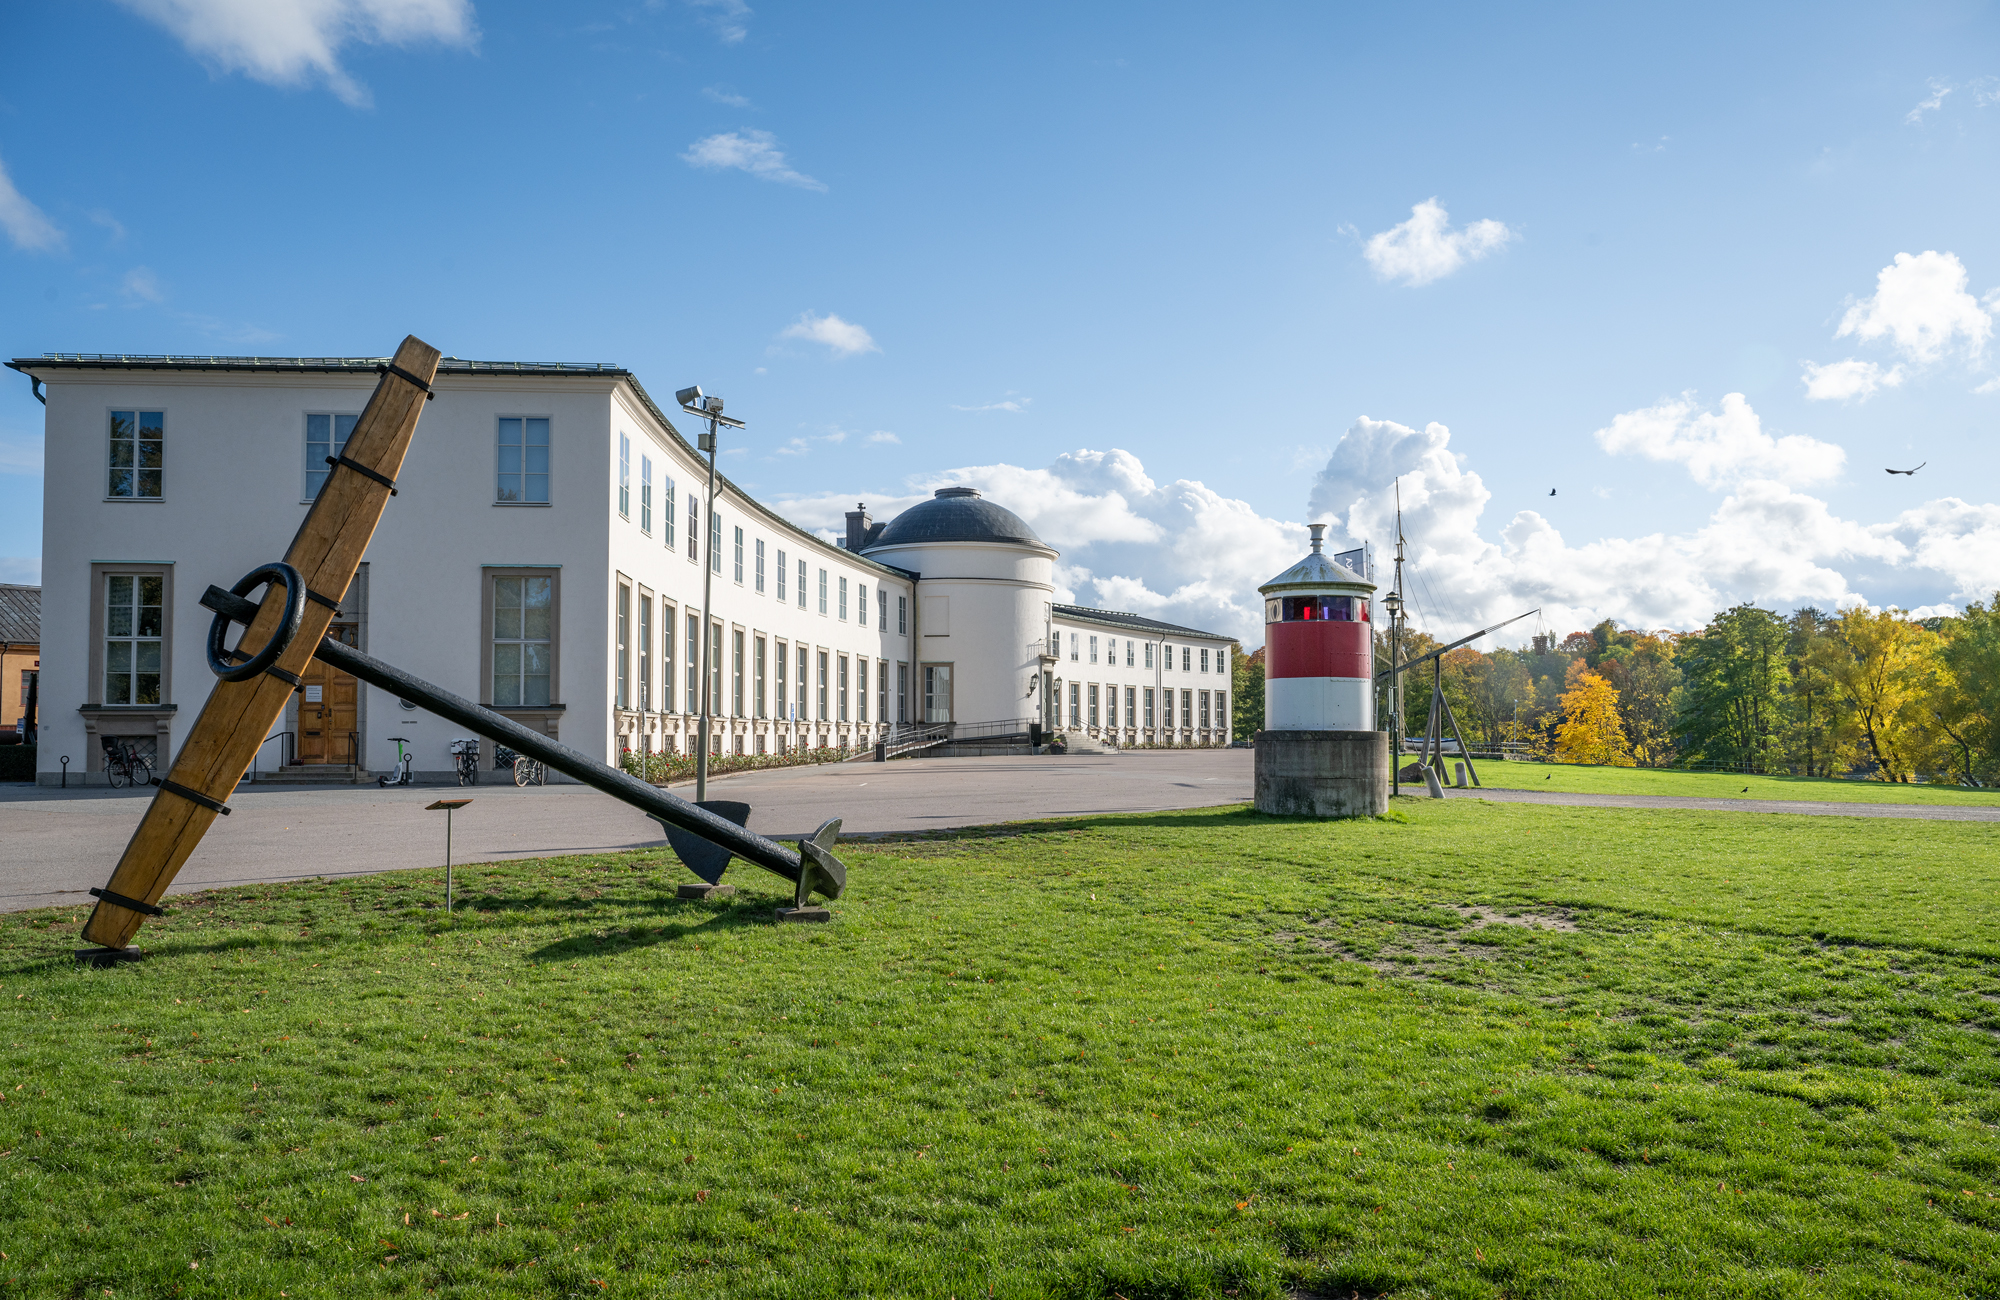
{"x": 56, "y": 844}
{"x": 1796, "y": 807}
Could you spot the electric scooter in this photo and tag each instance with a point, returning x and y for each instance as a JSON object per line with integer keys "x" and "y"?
{"x": 403, "y": 757}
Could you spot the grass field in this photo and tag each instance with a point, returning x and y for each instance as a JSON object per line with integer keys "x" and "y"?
{"x": 1469, "y": 1050}
{"x": 1720, "y": 785}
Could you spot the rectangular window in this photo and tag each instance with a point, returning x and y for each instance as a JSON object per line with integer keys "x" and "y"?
{"x": 624, "y": 660}
{"x": 694, "y": 526}
{"x": 843, "y": 600}
{"x": 715, "y": 670}
{"x": 937, "y": 692}
{"x": 1092, "y": 695}
{"x": 1111, "y": 650}
{"x": 902, "y": 693}
{"x": 669, "y": 627}
{"x": 1167, "y": 708}
{"x": 1093, "y": 649}
{"x": 804, "y": 714}
{"x": 1128, "y": 653}
{"x": 667, "y": 505}
{"x": 624, "y": 476}
{"x": 1222, "y": 710}
{"x": 1204, "y": 709}
{"x": 645, "y": 652}
{"x": 738, "y": 570}
{"x": 882, "y": 608}
{"x": 802, "y": 589}
{"x": 760, "y": 566}
{"x": 325, "y": 436}
{"x": 1055, "y": 644}
{"x": 902, "y": 616}
{"x": 693, "y": 663}
{"x": 861, "y": 686}
{"x": 1149, "y": 661}
{"x": 843, "y": 687}
{"x": 822, "y": 685}
{"x": 1075, "y": 705}
{"x": 134, "y": 623}
{"x": 1204, "y": 658}
{"x": 1187, "y": 709}
{"x": 1111, "y": 706}
{"x": 861, "y": 604}
{"x": 757, "y": 672}
{"x": 522, "y": 633}
{"x": 781, "y": 577}
{"x": 1149, "y": 706}
{"x": 781, "y": 659}
{"x": 882, "y": 691}
{"x": 524, "y": 460}
{"x": 1185, "y": 654}
{"x": 714, "y": 541}
{"x": 1167, "y": 662}
{"x": 646, "y": 495}
{"x": 736, "y": 700}
{"x": 138, "y": 454}
{"x": 1075, "y": 647}
{"x": 822, "y": 593}
{"x": 1131, "y": 699}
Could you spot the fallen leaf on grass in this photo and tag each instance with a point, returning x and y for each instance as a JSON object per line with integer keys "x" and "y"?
{"x": 456, "y": 1217}
{"x": 357, "y": 1178}
{"x": 701, "y": 1196}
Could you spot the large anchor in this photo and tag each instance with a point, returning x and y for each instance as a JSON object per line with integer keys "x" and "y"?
{"x": 288, "y": 626}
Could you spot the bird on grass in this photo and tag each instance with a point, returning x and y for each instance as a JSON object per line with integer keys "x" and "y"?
{"x": 1550, "y": 777}
{"x": 1746, "y": 790}
{"x": 1903, "y": 471}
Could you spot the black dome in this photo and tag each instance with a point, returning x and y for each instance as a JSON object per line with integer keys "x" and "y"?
{"x": 956, "y": 514}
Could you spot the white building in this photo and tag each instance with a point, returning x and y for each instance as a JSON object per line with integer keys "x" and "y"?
{"x": 543, "y": 556}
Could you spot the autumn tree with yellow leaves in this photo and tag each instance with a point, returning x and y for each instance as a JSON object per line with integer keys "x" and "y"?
{"x": 1590, "y": 731}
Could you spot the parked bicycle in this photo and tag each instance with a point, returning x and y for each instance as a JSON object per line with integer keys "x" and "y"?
{"x": 402, "y": 775}
{"x": 124, "y": 765}
{"x": 527, "y": 771}
{"x": 466, "y": 760}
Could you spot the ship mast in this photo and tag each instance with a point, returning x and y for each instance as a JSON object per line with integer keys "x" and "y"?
{"x": 1394, "y": 603}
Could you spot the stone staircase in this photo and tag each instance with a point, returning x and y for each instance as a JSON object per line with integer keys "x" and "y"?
{"x": 316, "y": 774}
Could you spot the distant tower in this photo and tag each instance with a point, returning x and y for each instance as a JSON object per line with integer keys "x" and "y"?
{"x": 1319, "y": 754}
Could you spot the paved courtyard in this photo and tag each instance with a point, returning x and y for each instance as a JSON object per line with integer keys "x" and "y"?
{"x": 56, "y": 844}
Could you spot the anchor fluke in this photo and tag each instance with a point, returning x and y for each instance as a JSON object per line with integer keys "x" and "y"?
{"x": 819, "y": 871}
{"x": 706, "y": 858}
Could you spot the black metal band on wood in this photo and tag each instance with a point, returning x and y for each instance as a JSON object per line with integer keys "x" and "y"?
{"x": 293, "y": 679}
{"x": 318, "y": 599}
{"x": 361, "y": 469}
{"x": 130, "y": 904}
{"x": 391, "y": 368}
{"x": 192, "y": 796}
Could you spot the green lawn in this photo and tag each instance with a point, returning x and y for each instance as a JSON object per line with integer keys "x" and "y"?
{"x": 1471, "y": 1050}
{"x": 1719, "y": 785}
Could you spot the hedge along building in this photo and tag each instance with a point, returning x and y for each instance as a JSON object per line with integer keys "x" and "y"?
{"x": 542, "y": 557}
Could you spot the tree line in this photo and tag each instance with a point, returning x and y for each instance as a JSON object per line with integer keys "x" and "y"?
{"x": 1862, "y": 692}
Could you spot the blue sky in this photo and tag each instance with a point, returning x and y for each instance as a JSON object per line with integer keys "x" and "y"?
{"x": 923, "y": 244}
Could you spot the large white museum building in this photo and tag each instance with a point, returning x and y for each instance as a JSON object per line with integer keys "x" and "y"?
{"x": 544, "y": 556}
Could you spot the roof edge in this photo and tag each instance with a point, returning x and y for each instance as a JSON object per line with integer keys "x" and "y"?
{"x": 1107, "y": 617}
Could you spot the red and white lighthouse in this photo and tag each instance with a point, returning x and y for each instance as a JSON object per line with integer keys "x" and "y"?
{"x": 1319, "y": 660}
{"x": 1319, "y": 754}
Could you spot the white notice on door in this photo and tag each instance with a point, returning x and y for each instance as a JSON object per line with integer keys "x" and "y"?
{"x": 312, "y": 694}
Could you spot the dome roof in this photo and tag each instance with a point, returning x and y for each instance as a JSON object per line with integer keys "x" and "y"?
{"x": 956, "y": 514}
{"x": 1316, "y": 571}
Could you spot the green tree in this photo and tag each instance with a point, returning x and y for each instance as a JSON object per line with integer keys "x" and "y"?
{"x": 1735, "y": 689}
{"x": 1967, "y": 698}
{"x": 1886, "y": 682}
{"x": 1246, "y": 684}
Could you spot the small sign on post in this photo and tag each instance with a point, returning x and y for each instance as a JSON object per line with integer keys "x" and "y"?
{"x": 449, "y": 806}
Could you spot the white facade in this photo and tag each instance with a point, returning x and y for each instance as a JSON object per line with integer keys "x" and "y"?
{"x": 1134, "y": 681}
{"x": 607, "y": 547}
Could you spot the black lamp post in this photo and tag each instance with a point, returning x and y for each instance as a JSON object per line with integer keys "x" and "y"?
{"x": 695, "y": 403}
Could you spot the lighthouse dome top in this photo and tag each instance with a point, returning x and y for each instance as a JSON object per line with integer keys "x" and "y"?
{"x": 957, "y": 514}
{"x": 1319, "y": 572}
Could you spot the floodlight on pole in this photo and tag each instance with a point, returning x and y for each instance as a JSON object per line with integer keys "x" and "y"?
{"x": 706, "y": 407}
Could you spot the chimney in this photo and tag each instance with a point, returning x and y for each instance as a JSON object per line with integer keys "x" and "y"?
{"x": 857, "y": 527}
{"x": 1317, "y": 530}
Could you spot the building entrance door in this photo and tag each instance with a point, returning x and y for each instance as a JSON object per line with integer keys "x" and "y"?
{"x": 327, "y": 713}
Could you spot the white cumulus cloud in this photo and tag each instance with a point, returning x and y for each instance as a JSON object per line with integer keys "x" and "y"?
{"x": 1849, "y": 379}
{"x": 1720, "y": 447}
{"x": 1936, "y": 101}
{"x": 1426, "y": 248}
{"x": 26, "y": 225}
{"x": 728, "y": 19}
{"x": 293, "y": 42}
{"x": 845, "y": 338}
{"x": 1922, "y": 308}
{"x": 755, "y": 152}
{"x": 884, "y": 436}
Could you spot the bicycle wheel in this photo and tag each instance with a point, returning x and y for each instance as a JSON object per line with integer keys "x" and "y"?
{"x": 141, "y": 771}
{"x": 524, "y": 771}
{"x": 116, "y": 772}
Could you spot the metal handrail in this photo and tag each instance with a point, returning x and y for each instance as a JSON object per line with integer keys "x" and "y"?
{"x": 276, "y": 735}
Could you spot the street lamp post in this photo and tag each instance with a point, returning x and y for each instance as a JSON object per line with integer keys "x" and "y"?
{"x": 1393, "y": 602}
{"x": 695, "y": 403}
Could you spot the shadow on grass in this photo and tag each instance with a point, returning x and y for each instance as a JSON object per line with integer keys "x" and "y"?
{"x": 747, "y": 914}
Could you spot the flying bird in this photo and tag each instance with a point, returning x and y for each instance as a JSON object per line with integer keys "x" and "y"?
{"x": 1552, "y": 491}
{"x": 1886, "y": 471}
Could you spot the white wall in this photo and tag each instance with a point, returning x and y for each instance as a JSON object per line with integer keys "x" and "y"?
{"x": 1074, "y": 665}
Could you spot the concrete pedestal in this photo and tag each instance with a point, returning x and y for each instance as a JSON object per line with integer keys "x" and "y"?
{"x": 1322, "y": 773}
